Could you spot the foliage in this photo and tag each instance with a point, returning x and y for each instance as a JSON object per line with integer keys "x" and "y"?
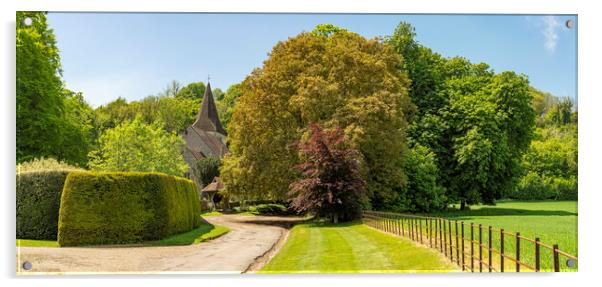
{"x": 338, "y": 79}
{"x": 39, "y": 164}
{"x": 38, "y": 197}
{"x": 331, "y": 185}
{"x": 174, "y": 113}
{"x": 268, "y": 209}
{"x": 478, "y": 123}
{"x": 207, "y": 169}
{"x": 172, "y": 89}
{"x": 550, "y": 166}
{"x": 78, "y": 129}
{"x": 51, "y": 120}
{"x": 422, "y": 193}
{"x": 225, "y": 106}
{"x": 135, "y": 146}
{"x": 351, "y": 248}
{"x": 113, "y": 208}
{"x": 560, "y": 113}
{"x": 193, "y": 91}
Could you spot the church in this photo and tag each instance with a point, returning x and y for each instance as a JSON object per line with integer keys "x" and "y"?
{"x": 204, "y": 138}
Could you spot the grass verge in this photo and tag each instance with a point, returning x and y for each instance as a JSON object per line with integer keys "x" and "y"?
{"x": 352, "y": 248}
{"x": 37, "y": 243}
{"x": 204, "y": 232}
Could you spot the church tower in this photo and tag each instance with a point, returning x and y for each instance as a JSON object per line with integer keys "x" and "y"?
{"x": 205, "y": 138}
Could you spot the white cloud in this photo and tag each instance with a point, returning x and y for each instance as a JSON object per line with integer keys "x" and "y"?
{"x": 551, "y": 25}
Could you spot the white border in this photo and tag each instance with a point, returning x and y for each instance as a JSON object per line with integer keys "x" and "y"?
{"x": 590, "y": 96}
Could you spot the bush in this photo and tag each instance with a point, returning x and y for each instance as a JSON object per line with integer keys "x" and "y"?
{"x": 269, "y": 209}
{"x": 125, "y": 207}
{"x": 533, "y": 186}
{"x": 38, "y": 197}
{"x": 44, "y": 164}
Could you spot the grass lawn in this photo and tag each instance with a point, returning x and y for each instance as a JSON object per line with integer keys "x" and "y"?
{"x": 37, "y": 243}
{"x": 350, "y": 248}
{"x": 210, "y": 213}
{"x": 204, "y": 232}
{"x": 551, "y": 221}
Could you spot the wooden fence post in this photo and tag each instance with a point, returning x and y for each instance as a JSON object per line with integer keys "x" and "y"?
{"x": 490, "y": 261}
{"x": 537, "y": 266}
{"x": 502, "y": 250}
{"x": 451, "y": 244}
{"x": 445, "y": 238}
{"x": 430, "y": 231}
{"x": 402, "y": 227}
{"x": 517, "y": 252}
{"x": 480, "y": 248}
{"x": 457, "y": 243}
{"x": 411, "y": 226}
{"x": 556, "y": 260}
{"x": 463, "y": 261}
{"x": 441, "y": 235}
{"x": 471, "y": 247}
{"x": 420, "y": 225}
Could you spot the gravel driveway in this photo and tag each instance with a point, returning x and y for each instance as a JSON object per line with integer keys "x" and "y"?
{"x": 249, "y": 239}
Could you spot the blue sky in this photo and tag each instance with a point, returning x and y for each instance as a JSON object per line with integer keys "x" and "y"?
{"x": 110, "y": 55}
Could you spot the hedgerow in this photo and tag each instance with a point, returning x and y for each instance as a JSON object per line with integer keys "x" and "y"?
{"x": 38, "y": 198}
{"x": 125, "y": 207}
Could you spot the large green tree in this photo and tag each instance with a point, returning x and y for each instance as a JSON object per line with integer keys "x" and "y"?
{"x": 331, "y": 77}
{"x": 39, "y": 100}
{"x": 478, "y": 123}
{"x": 136, "y": 146}
{"x": 51, "y": 120}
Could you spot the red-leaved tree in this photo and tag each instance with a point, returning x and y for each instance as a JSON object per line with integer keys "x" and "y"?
{"x": 331, "y": 186}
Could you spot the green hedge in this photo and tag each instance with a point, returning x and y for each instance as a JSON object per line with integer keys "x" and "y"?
{"x": 125, "y": 207}
{"x": 38, "y": 201}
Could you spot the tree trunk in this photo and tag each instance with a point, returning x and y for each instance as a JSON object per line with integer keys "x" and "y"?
{"x": 335, "y": 218}
{"x": 462, "y": 205}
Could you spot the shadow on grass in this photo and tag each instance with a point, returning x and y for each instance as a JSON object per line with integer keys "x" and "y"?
{"x": 325, "y": 223}
{"x": 497, "y": 211}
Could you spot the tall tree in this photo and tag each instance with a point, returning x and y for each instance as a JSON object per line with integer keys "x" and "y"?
{"x": 336, "y": 78}
{"x": 39, "y": 87}
{"x": 136, "y": 146}
{"x": 331, "y": 184}
{"x": 478, "y": 123}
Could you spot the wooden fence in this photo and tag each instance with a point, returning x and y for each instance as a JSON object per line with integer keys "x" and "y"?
{"x": 473, "y": 247}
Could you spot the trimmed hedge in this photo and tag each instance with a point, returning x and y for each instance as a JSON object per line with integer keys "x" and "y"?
{"x": 125, "y": 207}
{"x": 38, "y": 200}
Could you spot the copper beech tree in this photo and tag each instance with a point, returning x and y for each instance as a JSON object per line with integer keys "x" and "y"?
{"x": 331, "y": 185}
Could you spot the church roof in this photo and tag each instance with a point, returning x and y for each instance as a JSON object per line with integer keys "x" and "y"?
{"x": 208, "y": 119}
{"x": 214, "y": 186}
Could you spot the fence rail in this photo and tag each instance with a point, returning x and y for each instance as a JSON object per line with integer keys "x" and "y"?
{"x": 473, "y": 247}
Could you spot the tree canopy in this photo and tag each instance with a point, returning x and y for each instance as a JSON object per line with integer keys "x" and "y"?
{"x": 333, "y": 79}
{"x": 477, "y": 122}
{"x": 136, "y": 146}
{"x": 331, "y": 184}
{"x": 51, "y": 121}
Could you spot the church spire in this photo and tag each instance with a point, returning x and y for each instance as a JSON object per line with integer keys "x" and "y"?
{"x": 208, "y": 119}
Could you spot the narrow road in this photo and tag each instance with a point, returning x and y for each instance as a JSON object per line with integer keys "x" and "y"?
{"x": 250, "y": 238}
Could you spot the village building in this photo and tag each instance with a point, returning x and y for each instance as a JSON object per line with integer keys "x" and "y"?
{"x": 205, "y": 138}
